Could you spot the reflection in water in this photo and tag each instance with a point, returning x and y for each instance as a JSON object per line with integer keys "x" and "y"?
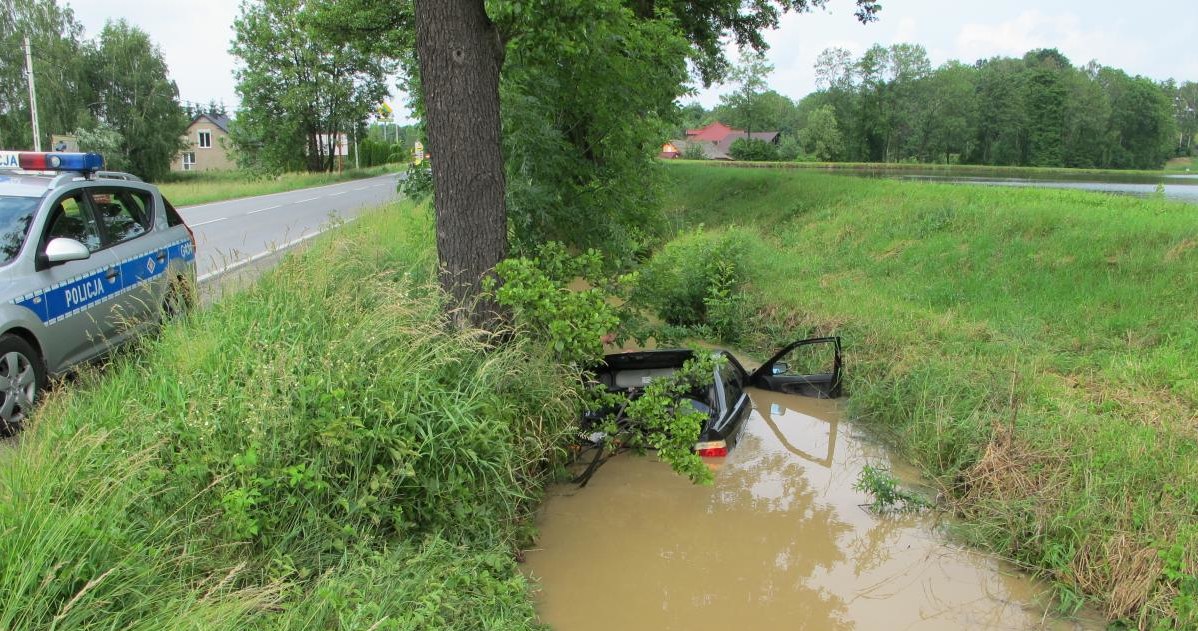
{"x": 780, "y": 541}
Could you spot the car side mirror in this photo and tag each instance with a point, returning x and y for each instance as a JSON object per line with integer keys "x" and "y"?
{"x": 63, "y": 249}
{"x": 780, "y": 368}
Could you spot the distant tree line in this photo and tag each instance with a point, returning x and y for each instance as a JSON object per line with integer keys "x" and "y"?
{"x": 891, "y": 105}
{"x": 300, "y": 90}
{"x": 112, "y": 92}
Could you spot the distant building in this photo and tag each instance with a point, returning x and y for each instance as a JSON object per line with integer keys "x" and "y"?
{"x": 207, "y": 145}
{"x": 715, "y": 140}
{"x": 668, "y": 150}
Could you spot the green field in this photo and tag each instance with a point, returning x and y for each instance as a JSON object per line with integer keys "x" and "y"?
{"x": 1034, "y": 351}
{"x": 317, "y": 452}
{"x": 187, "y": 189}
{"x": 1189, "y": 165}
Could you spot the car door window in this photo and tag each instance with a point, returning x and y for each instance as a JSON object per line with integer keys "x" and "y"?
{"x": 124, "y": 213}
{"x": 16, "y": 215}
{"x": 808, "y": 367}
{"x": 70, "y": 219}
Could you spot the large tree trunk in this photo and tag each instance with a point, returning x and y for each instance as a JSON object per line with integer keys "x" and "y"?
{"x": 460, "y": 55}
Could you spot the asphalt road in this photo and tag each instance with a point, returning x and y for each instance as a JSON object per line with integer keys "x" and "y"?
{"x": 235, "y": 233}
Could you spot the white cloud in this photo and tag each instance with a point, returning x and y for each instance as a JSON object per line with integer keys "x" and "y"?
{"x": 1032, "y": 29}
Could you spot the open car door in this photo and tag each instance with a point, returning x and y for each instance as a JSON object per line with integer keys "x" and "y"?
{"x": 810, "y": 368}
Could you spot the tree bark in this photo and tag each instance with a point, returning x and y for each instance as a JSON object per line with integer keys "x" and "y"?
{"x": 460, "y": 55}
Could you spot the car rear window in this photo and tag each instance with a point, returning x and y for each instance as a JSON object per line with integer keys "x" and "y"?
{"x": 172, "y": 215}
{"x": 16, "y": 215}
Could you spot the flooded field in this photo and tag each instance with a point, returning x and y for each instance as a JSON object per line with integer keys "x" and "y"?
{"x": 1179, "y": 187}
{"x": 780, "y": 541}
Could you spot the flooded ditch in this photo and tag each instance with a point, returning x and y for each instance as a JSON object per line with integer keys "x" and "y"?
{"x": 779, "y": 541}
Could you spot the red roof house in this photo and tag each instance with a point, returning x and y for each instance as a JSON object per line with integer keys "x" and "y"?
{"x": 714, "y": 132}
{"x": 715, "y": 140}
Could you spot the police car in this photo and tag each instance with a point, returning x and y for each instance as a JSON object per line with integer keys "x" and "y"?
{"x": 88, "y": 259}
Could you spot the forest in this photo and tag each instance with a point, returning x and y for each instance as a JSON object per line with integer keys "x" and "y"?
{"x": 891, "y": 105}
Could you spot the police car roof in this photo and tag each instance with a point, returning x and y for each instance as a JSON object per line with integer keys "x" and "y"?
{"x": 25, "y": 184}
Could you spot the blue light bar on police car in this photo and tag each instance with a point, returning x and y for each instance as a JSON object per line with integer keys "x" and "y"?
{"x": 32, "y": 161}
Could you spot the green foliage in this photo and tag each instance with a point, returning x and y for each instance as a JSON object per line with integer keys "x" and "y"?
{"x": 435, "y": 585}
{"x": 694, "y": 280}
{"x": 571, "y": 323}
{"x": 693, "y": 151}
{"x": 117, "y": 82}
{"x": 821, "y": 137}
{"x": 580, "y": 167}
{"x": 747, "y": 102}
{"x": 661, "y": 417}
{"x": 888, "y": 495}
{"x": 106, "y": 141}
{"x": 754, "y": 150}
{"x": 377, "y": 153}
{"x": 356, "y": 461}
{"x": 1178, "y": 569}
{"x": 417, "y": 183}
{"x": 890, "y": 105}
{"x": 297, "y": 87}
{"x": 137, "y": 98}
{"x": 60, "y": 66}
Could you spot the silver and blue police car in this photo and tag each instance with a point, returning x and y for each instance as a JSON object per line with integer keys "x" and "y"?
{"x": 88, "y": 259}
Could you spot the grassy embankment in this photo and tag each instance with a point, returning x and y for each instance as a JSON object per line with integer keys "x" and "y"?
{"x": 1034, "y": 351}
{"x": 186, "y": 189}
{"x": 316, "y": 452}
{"x": 943, "y": 169}
{"x": 1182, "y": 164}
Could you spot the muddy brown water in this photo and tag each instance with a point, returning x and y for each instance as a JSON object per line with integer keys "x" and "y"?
{"x": 779, "y": 541}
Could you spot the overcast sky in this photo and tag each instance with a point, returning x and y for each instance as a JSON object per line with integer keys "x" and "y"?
{"x": 1150, "y": 37}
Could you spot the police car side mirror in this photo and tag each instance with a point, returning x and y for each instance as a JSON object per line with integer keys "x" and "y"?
{"x": 62, "y": 249}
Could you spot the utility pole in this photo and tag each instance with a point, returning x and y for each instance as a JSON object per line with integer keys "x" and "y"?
{"x": 37, "y": 131}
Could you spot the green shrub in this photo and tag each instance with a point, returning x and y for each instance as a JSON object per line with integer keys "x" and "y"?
{"x": 696, "y": 280}
{"x": 754, "y": 150}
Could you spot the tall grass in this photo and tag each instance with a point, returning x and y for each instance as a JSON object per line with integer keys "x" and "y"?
{"x": 324, "y": 450}
{"x": 1032, "y": 350}
{"x": 186, "y": 189}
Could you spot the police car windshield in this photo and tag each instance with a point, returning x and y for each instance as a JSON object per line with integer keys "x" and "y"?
{"x": 16, "y": 214}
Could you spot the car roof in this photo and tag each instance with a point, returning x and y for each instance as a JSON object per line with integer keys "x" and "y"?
{"x": 25, "y": 184}
{"x": 36, "y": 184}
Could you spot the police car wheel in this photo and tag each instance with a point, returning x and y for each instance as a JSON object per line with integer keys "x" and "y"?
{"x": 22, "y": 376}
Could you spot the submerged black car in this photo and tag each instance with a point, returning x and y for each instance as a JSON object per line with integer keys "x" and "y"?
{"x": 809, "y": 367}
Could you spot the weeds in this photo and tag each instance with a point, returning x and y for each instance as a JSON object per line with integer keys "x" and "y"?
{"x": 322, "y": 449}
{"x": 888, "y": 495}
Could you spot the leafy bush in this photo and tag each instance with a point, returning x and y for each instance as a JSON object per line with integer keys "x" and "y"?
{"x": 888, "y": 495}
{"x": 696, "y": 280}
{"x": 754, "y": 150}
{"x": 693, "y": 151}
{"x": 417, "y": 183}
{"x": 572, "y": 323}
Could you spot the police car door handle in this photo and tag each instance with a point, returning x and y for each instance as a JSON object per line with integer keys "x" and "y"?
{"x": 112, "y": 273}
{"x": 161, "y": 256}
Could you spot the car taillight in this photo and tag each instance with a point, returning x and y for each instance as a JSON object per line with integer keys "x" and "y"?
{"x": 712, "y": 449}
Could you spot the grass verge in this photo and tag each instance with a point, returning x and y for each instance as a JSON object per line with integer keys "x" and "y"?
{"x": 187, "y": 189}
{"x": 1032, "y": 350}
{"x": 320, "y": 451}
